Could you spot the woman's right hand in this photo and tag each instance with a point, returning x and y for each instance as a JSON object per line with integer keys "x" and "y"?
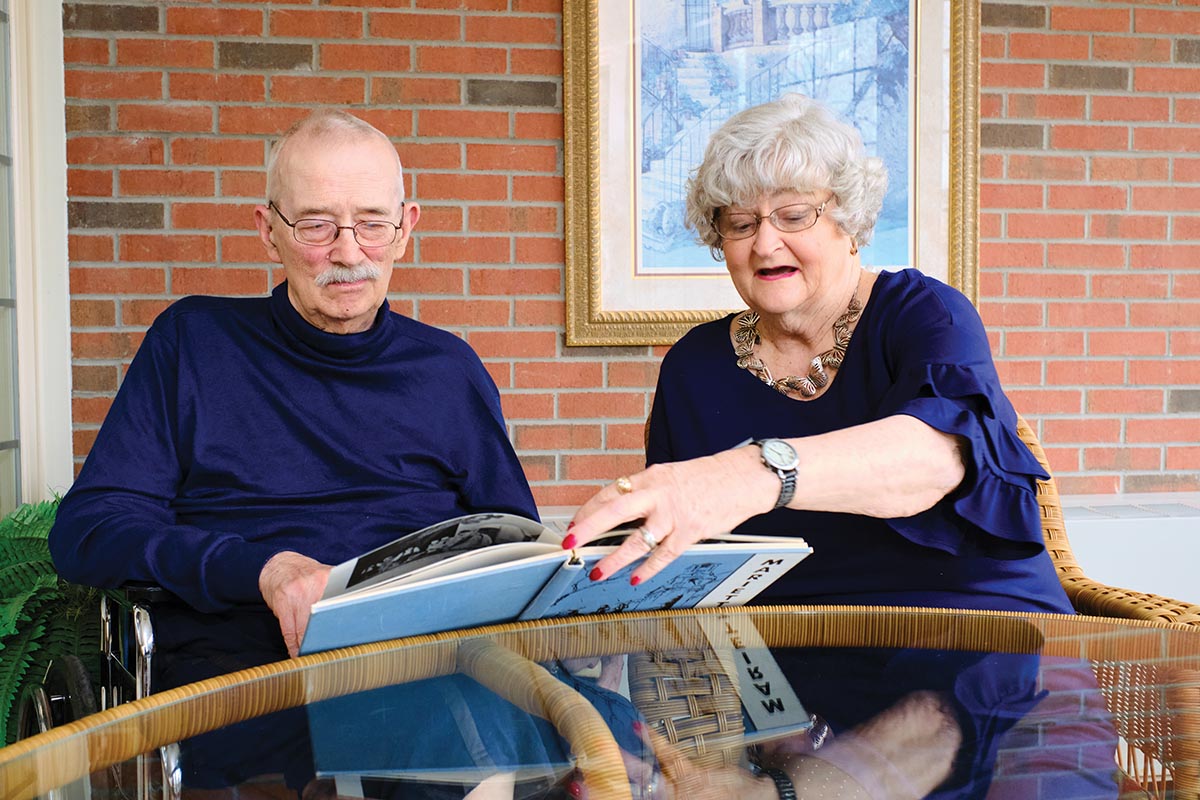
{"x": 678, "y": 504}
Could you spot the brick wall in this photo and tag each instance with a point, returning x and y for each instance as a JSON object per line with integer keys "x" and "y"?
{"x": 171, "y": 105}
{"x": 1090, "y": 233}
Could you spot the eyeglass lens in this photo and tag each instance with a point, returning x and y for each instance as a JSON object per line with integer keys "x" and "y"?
{"x": 789, "y": 219}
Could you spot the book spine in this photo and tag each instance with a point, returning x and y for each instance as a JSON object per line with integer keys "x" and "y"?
{"x": 744, "y": 583}
{"x": 562, "y": 579}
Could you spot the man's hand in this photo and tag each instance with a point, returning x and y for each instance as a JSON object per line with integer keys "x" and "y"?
{"x": 290, "y": 583}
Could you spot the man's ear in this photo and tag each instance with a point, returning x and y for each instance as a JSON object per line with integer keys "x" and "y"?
{"x": 262, "y": 219}
{"x": 412, "y": 213}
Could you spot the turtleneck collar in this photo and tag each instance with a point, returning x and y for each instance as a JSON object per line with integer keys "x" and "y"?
{"x": 306, "y": 338}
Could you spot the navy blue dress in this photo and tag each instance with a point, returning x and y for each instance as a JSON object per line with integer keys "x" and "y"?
{"x": 919, "y": 349}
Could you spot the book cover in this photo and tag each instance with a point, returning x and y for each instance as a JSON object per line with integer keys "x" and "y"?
{"x": 483, "y": 569}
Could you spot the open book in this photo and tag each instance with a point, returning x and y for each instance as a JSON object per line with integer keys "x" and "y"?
{"x": 489, "y": 568}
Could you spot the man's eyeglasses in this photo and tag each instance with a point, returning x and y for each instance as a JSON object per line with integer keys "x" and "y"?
{"x": 786, "y": 219}
{"x": 316, "y": 232}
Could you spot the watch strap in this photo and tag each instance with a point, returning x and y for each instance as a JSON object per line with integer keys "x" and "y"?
{"x": 783, "y": 784}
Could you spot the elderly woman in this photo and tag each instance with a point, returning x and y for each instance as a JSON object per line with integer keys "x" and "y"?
{"x": 863, "y": 412}
{"x": 859, "y": 410}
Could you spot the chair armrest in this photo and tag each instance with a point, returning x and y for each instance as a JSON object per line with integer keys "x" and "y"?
{"x": 1098, "y": 599}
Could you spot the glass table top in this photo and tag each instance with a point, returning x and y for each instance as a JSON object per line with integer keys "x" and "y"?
{"x": 840, "y": 702}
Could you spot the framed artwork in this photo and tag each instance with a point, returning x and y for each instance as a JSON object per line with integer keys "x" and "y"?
{"x": 645, "y": 82}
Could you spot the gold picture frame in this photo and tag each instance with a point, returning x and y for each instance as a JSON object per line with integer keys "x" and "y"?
{"x": 944, "y": 186}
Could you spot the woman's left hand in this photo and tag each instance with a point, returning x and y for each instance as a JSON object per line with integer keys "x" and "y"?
{"x": 678, "y": 504}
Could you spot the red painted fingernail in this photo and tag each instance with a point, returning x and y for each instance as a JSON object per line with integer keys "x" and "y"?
{"x": 569, "y": 542}
{"x": 635, "y": 580}
{"x": 575, "y": 789}
{"x": 638, "y": 727}
{"x": 596, "y": 574}
{"x": 570, "y": 524}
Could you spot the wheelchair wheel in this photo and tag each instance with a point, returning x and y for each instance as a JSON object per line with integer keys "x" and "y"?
{"x": 64, "y": 696}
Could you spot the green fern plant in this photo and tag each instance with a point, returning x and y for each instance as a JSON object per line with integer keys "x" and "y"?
{"x": 42, "y": 617}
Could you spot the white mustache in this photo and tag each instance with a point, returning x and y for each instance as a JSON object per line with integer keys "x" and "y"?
{"x": 362, "y": 272}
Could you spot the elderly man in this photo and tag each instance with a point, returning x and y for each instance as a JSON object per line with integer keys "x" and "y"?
{"x": 255, "y": 441}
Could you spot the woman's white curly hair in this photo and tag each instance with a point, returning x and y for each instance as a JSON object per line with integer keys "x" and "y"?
{"x": 793, "y": 144}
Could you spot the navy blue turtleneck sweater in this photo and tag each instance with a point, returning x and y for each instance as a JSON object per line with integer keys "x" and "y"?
{"x": 241, "y": 431}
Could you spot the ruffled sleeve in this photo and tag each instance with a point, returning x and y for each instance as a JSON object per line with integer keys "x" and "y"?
{"x": 943, "y": 375}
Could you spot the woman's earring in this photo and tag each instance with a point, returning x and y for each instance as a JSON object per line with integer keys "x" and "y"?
{"x": 853, "y": 246}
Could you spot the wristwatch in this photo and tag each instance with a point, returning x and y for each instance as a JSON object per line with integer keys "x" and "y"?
{"x": 781, "y": 458}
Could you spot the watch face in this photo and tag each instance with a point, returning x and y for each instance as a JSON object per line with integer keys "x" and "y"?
{"x": 779, "y": 454}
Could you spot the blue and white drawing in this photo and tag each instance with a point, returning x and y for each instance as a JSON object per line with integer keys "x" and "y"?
{"x": 701, "y": 61}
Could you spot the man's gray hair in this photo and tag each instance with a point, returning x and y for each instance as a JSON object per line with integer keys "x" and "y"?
{"x": 325, "y": 124}
{"x": 793, "y": 144}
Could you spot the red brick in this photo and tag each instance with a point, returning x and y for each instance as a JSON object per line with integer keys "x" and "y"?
{"x": 166, "y": 182}
{"x": 540, "y": 313}
{"x": 1085, "y": 373}
{"x": 512, "y": 29}
{"x": 416, "y": 91}
{"x": 500, "y": 372}
{"x": 227, "y": 151}
{"x": 426, "y": 27}
{"x": 94, "y": 378}
{"x": 1125, "y": 401}
{"x": 625, "y": 437}
{"x": 219, "y": 280}
{"x": 1046, "y": 226}
{"x": 392, "y": 121}
{"x": 991, "y": 106}
{"x": 441, "y": 219}
{"x": 464, "y": 250}
{"x": 1109, "y": 168}
{"x": 1113, "y": 108}
{"x": 1010, "y": 314}
{"x": 165, "y": 53}
{"x": 1043, "y": 343}
{"x": 991, "y": 226}
{"x": 527, "y": 406}
{"x": 1166, "y": 198}
{"x": 1090, "y": 20}
{"x": 602, "y": 405}
{"x": 113, "y": 85}
{"x": 1162, "y": 429}
{"x": 235, "y": 183}
{"x": 440, "y": 156}
{"x": 1187, "y": 111}
{"x": 167, "y": 248}
{"x": 1062, "y": 459}
{"x": 1048, "y": 46}
{"x": 90, "y": 409}
{"x": 510, "y": 281}
{"x": 539, "y": 126}
{"x": 1127, "y": 226}
{"x": 572, "y": 494}
{"x": 514, "y": 344}
{"x": 472, "y": 5}
{"x": 514, "y": 219}
{"x": 1183, "y": 458}
{"x": 1089, "y": 137}
{"x": 1128, "y": 49}
{"x": 114, "y": 150}
{"x": 1127, "y": 343}
{"x": 991, "y": 284}
{"x": 1167, "y": 372}
{"x": 1175, "y": 314}
{"x": 1019, "y": 373}
{"x": 1013, "y": 76}
{"x": 242, "y": 249}
{"x": 214, "y": 22}
{"x": 142, "y": 312}
{"x": 107, "y": 345}
{"x": 429, "y": 280}
{"x": 311, "y": 89}
{"x": 89, "y": 182}
{"x": 992, "y": 46}
{"x": 1095, "y": 256}
{"x": 557, "y": 438}
{"x": 536, "y": 62}
{"x": 315, "y": 24}
{"x": 81, "y": 247}
{"x": 1088, "y": 484}
{"x": 465, "y": 312}
{"x": 93, "y": 313}
{"x": 1187, "y": 286}
{"x": 462, "y": 124}
{"x": 1011, "y": 195}
{"x": 1165, "y": 79}
{"x": 438, "y": 186}
{"x": 120, "y": 280}
{"x": 516, "y": 157}
{"x": 382, "y": 58}
{"x": 164, "y": 117}
{"x": 1126, "y": 286}
{"x": 212, "y": 216}
{"x": 1080, "y": 431}
{"x": 601, "y": 467}
{"x": 270, "y": 120}
{"x": 537, "y": 188}
{"x": 1047, "y": 106}
{"x": 462, "y": 60}
{"x": 1122, "y": 458}
{"x": 536, "y": 6}
{"x": 1016, "y": 254}
{"x": 531, "y": 250}
{"x": 559, "y": 375}
{"x": 1045, "y": 284}
{"x": 1165, "y": 256}
{"x": 1046, "y": 401}
{"x": 1046, "y": 167}
{"x": 1086, "y": 315}
{"x": 77, "y": 50}
{"x": 634, "y": 374}
{"x": 1173, "y": 23}
{"x": 1180, "y": 140}
{"x": 220, "y": 87}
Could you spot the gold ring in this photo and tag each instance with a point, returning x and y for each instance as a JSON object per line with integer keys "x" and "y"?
{"x": 624, "y": 485}
{"x": 648, "y": 537}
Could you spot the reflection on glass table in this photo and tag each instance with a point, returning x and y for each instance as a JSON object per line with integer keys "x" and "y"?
{"x": 821, "y": 701}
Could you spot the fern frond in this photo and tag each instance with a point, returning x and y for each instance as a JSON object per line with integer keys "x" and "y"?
{"x": 24, "y": 662}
